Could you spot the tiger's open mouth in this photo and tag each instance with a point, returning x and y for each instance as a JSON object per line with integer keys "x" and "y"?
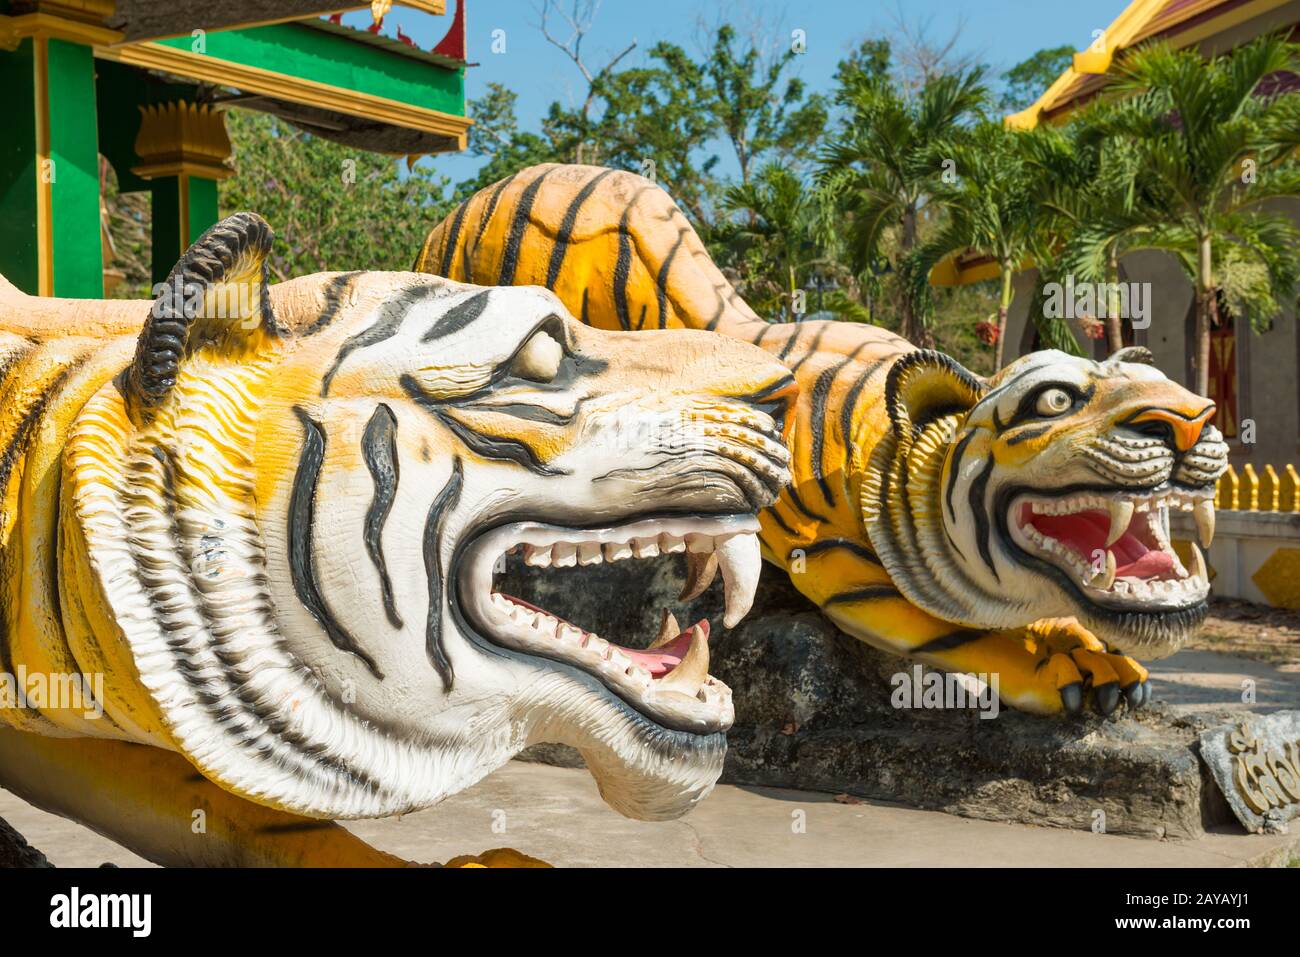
{"x": 668, "y": 681}
{"x": 1114, "y": 546}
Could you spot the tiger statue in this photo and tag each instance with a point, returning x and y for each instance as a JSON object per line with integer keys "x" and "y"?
{"x": 264, "y": 524}
{"x": 1015, "y": 526}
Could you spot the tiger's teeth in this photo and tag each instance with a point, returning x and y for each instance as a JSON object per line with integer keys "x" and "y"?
{"x": 1121, "y": 513}
{"x": 700, "y": 569}
{"x": 1204, "y": 512}
{"x": 693, "y": 670}
{"x": 1105, "y": 578}
{"x": 1198, "y": 565}
{"x": 668, "y": 630}
{"x": 740, "y": 559}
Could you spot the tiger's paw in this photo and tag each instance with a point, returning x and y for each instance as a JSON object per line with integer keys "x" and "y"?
{"x": 1084, "y": 674}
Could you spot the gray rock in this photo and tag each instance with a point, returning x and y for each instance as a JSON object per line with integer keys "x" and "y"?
{"x": 16, "y": 852}
{"x": 813, "y": 711}
{"x": 1265, "y": 751}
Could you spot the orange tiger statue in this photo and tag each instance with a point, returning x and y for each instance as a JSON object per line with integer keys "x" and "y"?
{"x": 1015, "y": 526}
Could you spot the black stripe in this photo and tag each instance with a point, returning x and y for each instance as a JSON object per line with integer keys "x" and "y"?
{"x": 458, "y": 316}
{"x": 948, "y": 642}
{"x": 980, "y": 512}
{"x": 799, "y": 504}
{"x": 449, "y": 249}
{"x": 302, "y": 527}
{"x": 518, "y": 225}
{"x": 379, "y": 446}
{"x": 565, "y": 235}
{"x": 488, "y": 446}
{"x": 850, "y": 400}
{"x": 857, "y": 548}
{"x": 953, "y": 469}
{"x": 390, "y": 319}
{"x": 1027, "y": 434}
{"x": 789, "y": 343}
{"x": 820, "y": 396}
{"x": 623, "y": 270}
{"x": 335, "y": 298}
{"x": 661, "y": 281}
{"x": 867, "y": 593}
{"x": 717, "y": 315}
{"x": 776, "y": 517}
{"x": 483, "y": 223}
{"x": 433, "y": 527}
{"x": 812, "y": 348}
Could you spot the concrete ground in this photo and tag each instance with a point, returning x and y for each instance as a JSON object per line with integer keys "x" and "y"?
{"x": 556, "y": 814}
{"x": 1198, "y": 680}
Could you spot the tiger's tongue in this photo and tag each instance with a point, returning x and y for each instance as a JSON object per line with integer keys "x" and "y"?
{"x": 658, "y": 661}
{"x": 667, "y": 656}
{"x": 1085, "y": 532}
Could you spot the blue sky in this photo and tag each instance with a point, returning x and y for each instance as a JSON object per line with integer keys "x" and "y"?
{"x": 999, "y": 32}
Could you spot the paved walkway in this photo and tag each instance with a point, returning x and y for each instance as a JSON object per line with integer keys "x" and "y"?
{"x": 556, "y": 814}
{"x": 1206, "y": 680}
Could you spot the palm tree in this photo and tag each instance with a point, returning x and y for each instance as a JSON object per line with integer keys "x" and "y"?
{"x": 1092, "y": 213}
{"x": 1213, "y": 140}
{"x": 989, "y": 206}
{"x": 875, "y": 171}
{"x": 777, "y": 235}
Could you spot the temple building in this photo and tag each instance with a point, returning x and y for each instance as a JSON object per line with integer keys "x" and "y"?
{"x": 144, "y": 84}
{"x": 1253, "y": 376}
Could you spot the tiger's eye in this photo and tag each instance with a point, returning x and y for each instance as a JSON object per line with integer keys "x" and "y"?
{"x": 539, "y": 359}
{"x": 1054, "y": 402}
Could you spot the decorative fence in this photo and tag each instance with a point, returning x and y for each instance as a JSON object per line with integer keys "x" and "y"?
{"x": 1255, "y": 554}
{"x": 1248, "y": 491}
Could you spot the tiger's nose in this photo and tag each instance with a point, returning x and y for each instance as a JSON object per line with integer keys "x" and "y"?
{"x": 1183, "y": 425}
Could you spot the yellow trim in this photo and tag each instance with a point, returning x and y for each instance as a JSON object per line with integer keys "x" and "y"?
{"x": 1132, "y": 26}
{"x": 1226, "y": 21}
{"x": 949, "y": 270}
{"x": 197, "y": 66}
{"x": 44, "y": 193}
{"x": 182, "y": 138}
{"x": 14, "y": 30}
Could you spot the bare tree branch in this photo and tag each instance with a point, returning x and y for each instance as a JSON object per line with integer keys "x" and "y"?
{"x": 579, "y": 23}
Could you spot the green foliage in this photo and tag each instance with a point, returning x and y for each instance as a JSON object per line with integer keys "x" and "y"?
{"x": 1029, "y": 79}
{"x": 332, "y": 207}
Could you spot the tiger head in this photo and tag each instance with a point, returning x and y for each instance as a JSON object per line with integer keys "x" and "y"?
{"x": 1046, "y": 492}
{"x": 295, "y": 518}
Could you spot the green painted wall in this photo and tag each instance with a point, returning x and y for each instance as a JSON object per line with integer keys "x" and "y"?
{"x": 74, "y": 148}
{"x": 18, "y": 260}
{"x": 334, "y": 60}
{"x": 73, "y": 172}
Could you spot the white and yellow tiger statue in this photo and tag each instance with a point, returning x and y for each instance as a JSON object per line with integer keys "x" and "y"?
{"x": 258, "y": 529}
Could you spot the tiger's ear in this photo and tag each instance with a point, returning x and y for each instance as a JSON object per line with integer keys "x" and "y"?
{"x": 924, "y": 385}
{"x": 216, "y": 295}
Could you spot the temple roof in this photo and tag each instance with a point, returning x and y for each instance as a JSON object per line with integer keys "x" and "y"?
{"x": 1212, "y": 25}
